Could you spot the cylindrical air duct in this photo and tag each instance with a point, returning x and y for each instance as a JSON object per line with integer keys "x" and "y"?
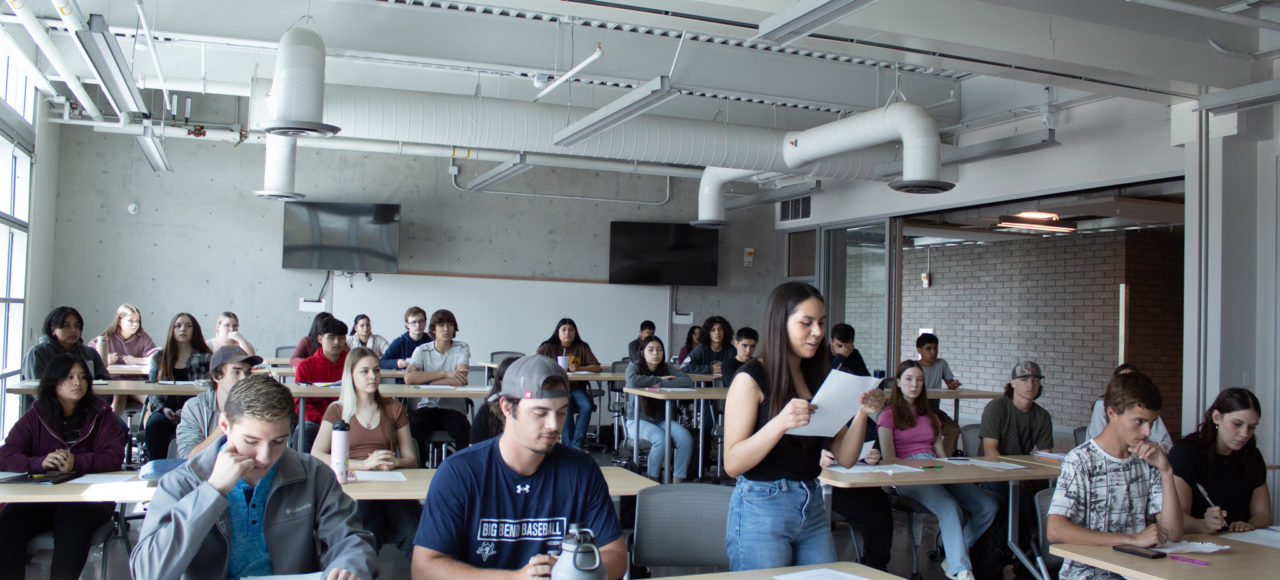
{"x": 282, "y": 159}
{"x": 296, "y": 102}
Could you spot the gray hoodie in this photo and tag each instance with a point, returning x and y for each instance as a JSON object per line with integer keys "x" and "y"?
{"x": 46, "y": 348}
{"x": 188, "y": 527}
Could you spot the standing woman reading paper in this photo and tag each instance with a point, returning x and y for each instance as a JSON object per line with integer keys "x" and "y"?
{"x": 67, "y": 431}
{"x": 776, "y": 514}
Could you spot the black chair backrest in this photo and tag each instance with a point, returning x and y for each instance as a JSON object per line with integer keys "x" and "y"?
{"x": 681, "y": 524}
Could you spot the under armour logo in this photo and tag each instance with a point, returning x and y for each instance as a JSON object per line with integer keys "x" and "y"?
{"x": 523, "y": 488}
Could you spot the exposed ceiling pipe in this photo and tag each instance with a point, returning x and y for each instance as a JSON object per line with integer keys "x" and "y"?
{"x": 1210, "y": 13}
{"x": 41, "y": 37}
{"x": 801, "y": 150}
{"x": 281, "y": 167}
{"x": 296, "y": 101}
{"x": 33, "y": 71}
{"x": 710, "y": 197}
{"x": 151, "y": 47}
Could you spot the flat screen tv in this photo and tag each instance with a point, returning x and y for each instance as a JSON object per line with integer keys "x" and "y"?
{"x": 663, "y": 254}
{"x": 345, "y": 237}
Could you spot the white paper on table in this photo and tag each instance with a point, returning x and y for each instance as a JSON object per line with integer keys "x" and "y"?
{"x": 820, "y": 574}
{"x": 1003, "y": 465}
{"x": 838, "y": 401}
{"x": 580, "y": 373}
{"x": 8, "y": 474}
{"x": 866, "y": 448}
{"x": 380, "y": 476}
{"x": 178, "y": 382}
{"x": 1264, "y": 536}
{"x": 105, "y": 477}
{"x": 311, "y": 576}
{"x": 1191, "y": 548}
{"x": 864, "y": 468}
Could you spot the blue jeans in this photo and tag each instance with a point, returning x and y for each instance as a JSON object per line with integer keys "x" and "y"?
{"x": 779, "y": 523}
{"x": 575, "y": 431}
{"x": 656, "y": 435}
{"x": 949, "y": 503}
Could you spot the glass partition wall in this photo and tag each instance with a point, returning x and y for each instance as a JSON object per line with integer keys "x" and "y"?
{"x": 862, "y": 280}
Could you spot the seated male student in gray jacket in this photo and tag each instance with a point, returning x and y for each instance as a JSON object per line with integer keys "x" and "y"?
{"x": 206, "y": 521}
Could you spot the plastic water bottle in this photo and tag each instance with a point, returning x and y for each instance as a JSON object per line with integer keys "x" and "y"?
{"x": 104, "y": 349}
{"x": 341, "y": 448}
{"x": 579, "y": 557}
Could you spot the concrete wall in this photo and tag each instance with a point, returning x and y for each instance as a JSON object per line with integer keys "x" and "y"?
{"x": 202, "y": 243}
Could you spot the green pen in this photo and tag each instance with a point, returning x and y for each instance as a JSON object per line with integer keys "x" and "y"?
{"x": 931, "y": 467}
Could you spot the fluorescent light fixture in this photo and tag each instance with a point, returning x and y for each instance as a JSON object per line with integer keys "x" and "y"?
{"x": 1242, "y": 98}
{"x": 635, "y": 102}
{"x": 504, "y": 171}
{"x": 569, "y": 73}
{"x": 806, "y": 17}
{"x": 153, "y": 149}
{"x": 109, "y": 66}
{"x": 1034, "y": 222}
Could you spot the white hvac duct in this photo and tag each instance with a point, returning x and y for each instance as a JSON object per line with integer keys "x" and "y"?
{"x": 296, "y": 102}
{"x": 282, "y": 160}
{"x": 710, "y": 196}
{"x": 907, "y": 122}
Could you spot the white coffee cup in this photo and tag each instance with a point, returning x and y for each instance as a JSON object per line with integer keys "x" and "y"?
{"x": 563, "y": 361}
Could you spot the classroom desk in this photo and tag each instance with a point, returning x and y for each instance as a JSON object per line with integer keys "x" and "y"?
{"x": 846, "y": 567}
{"x": 275, "y": 361}
{"x": 956, "y": 394}
{"x": 290, "y": 372}
{"x": 121, "y": 387}
{"x": 1035, "y": 468}
{"x": 123, "y": 370}
{"x": 610, "y": 376}
{"x": 1243, "y": 560}
{"x": 667, "y": 395}
{"x": 620, "y": 482}
{"x": 305, "y": 391}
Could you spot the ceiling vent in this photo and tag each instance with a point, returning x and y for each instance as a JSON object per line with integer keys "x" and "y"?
{"x": 296, "y": 101}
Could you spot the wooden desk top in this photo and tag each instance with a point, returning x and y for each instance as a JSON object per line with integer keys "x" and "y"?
{"x": 389, "y": 390}
{"x": 128, "y": 370}
{"x": 273, "y": 361}
{"x": 847, "y": 567}
{"x": 289, "y": 372}
{"x": 963, "y": 394}
{"x": 948, "y": 473}
{"x": 1243, "y": 560}
{"x": 680, "y": 394}
{"x": 620, "y": 481}
{"x": 119, "y": 387}
{"x": 609, "y": 376}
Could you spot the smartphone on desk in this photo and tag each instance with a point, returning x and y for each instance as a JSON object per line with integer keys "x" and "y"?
{"x": 1136, "y": 551}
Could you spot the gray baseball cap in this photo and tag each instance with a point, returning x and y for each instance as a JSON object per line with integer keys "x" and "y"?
{"x": 1026, "y": 368}
{"x": 233, "y": 354}
{"x": 524, "y": 378}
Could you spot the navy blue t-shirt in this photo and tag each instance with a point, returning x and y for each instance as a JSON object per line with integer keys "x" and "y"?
{"x": 481, "y": 512}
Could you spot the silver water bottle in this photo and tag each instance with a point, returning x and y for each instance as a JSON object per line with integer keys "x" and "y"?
{"x": 579, "y": 557}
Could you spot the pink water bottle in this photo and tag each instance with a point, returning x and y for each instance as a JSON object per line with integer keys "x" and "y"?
{"x": 341, "y": 448}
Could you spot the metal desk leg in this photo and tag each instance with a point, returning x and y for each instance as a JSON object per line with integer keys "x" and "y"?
{"x": 702, "y": 423}
{"x": 302, "y": 420}
{"x": 1039, "y": 572}
{"x": 635, "y": 439}
{"x": 666, "y": 457}
{"x": 955, "y": 410}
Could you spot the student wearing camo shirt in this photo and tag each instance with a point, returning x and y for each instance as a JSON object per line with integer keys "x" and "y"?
{"x": 1117, "y": 488}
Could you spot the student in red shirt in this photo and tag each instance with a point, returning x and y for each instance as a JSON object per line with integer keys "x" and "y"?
{"x": 325, "y": 366}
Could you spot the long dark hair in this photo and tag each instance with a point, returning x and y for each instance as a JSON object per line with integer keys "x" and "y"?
{"x": 775, "y": 346}
{"x": 555, "y": 334}
{"x": 317, "y": 328}
{"x": 724, "y": 324}
{"x": 47, "y": 403}
{"x": 643, "y": 364}
{"x": 1206, "y": 435}
{"x": 905, "y": 413}
{"x": 690, "y": 340}
{"x": 169, "y": 355}
{"x": 356, "y": 323}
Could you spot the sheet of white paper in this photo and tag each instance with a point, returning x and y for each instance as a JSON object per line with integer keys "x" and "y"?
{"x": 105, "y": 477}
{"x": 820, "y": 574}
{"x": 8, "y": 474}
{"x": 580, "y": 373}
{"x": 311, "y": 576}
{"x": 838, "y": 400}
{"x": 1264, "y": 536}
{"x": 1191, "y": 548}
{"x": 864, "y": 468}
{"x": 866, "y": 448}
{"x": 177, "y": 382}
{"x": 380, "y": 476}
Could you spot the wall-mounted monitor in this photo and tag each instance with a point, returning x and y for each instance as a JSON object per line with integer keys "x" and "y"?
{"x": 663, "y": 253}
{"x": 345, "y": 237}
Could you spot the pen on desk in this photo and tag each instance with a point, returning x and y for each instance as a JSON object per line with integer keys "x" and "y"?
{"x": 1181, "y": 559}
{"x": 931, "y": 467}
{"x": 1205, "y": 495}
